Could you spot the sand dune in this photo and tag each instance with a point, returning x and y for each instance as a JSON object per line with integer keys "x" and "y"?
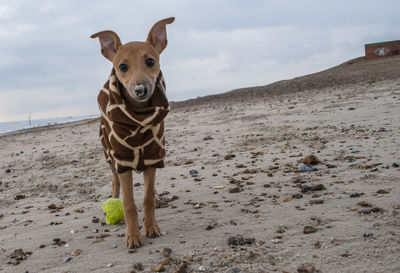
{"x": 359, "y": 71}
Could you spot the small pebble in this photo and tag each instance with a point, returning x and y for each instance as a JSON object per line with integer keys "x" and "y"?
{"x": 158, "y": 268}
{"x": 234, "y": 190}
{"x": 19, "y": 197}
{"x": 382, "y": 191}
{"x": 67, "y": 259}
{"x": 193, "y": 173}
{"x": 309, "y": 229}
{"x": 138, "y": 266}
{"x": 364, "y": 204}
{"x": 280, "y": 230}
{"x": 297, "y": 196}
{"x": 377, "y": 209}
{"x": 316, "y": 201}
{"x": 211, "y": 226}
{"x": 311, "y": 160}
{"x": 298, "y": 180}
{"x": 76, "y": 252}
{"x": 307, "y": 168}
{"x": 166, "y": 252}
{"x": 306, "y": 269}
{"x": 239, "y": 240}
{"x": 305, "y": 188}
{"x": 182, "y": 268}
{"x": 276, "y": 241}
{"x": 52, "y": 206}
{"x": 229, "y": 156}
{"x": 376, "y": 225}
{"x": 318, "y": 187}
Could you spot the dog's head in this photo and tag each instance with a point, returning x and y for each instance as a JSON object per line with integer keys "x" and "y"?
{"x": 136, "y": 63}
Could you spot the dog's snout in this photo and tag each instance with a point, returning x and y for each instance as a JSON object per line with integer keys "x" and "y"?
{"x": 140, "y": 90}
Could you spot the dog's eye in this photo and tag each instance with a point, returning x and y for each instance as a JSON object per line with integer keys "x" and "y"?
{"x": 150, "y": 62}
{"x": 123, "y": 67}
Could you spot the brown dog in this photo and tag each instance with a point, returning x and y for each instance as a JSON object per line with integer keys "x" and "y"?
{"x": 138, "y": 82}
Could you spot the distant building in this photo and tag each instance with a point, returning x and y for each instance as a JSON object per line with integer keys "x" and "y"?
{"x": 383, "y": 49}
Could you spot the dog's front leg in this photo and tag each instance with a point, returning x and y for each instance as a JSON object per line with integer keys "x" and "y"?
{"x": 151, "y": 228}
{"x": 115, "y": 184}
{"x": 133, "y": 237}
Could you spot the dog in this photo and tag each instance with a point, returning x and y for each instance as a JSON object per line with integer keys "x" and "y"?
{"x": 133, "y": 106}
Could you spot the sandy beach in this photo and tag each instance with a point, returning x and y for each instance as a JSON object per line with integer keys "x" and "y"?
{"x": 249, "y": 209}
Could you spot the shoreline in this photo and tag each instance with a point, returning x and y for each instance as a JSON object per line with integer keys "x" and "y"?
{"x": 48, "y": 127}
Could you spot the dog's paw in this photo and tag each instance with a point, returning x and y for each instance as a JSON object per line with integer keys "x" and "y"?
{"x": 152, "y": 230}
{"x": 133, "y": 239}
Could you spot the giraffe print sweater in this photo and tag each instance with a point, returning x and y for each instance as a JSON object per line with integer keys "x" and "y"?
{"x": 132, "y": 139}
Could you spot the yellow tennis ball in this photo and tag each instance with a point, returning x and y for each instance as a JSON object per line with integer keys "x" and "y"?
{"x": 114, "y": 210}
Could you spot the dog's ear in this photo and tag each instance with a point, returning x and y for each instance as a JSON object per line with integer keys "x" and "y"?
{"x": 109, "y": 42}
{"x": 158, "y": 34}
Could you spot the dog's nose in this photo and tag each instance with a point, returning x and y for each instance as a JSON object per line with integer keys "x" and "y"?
{"x": 140, "y": 90}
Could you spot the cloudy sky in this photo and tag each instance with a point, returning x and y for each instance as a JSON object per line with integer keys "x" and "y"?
{"x": 49, "y": 66}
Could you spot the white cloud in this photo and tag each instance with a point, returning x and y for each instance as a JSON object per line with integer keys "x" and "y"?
{"x": 252, "y": 56}
{"x": 8, "y": 8}
{"x": 197, "y": 73}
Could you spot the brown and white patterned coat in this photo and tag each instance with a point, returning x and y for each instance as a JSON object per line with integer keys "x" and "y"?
{"x": 133, "y": 139}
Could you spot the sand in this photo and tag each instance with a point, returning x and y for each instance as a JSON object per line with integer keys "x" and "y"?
{"x": 247, "y": 155}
